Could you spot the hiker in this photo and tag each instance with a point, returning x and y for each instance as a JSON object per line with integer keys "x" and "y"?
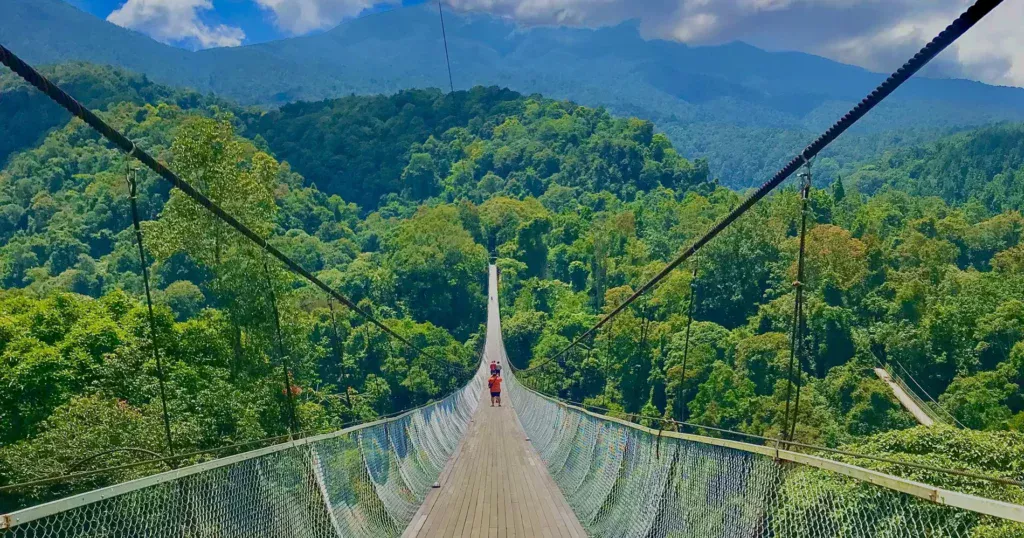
{"x": 494, "y": 384}
{"x": 495, "y": 368}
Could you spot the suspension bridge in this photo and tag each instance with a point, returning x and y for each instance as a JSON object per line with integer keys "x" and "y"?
{"x": 537, "y": 466}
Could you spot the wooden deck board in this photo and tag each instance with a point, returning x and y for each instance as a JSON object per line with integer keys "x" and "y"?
{"x": 495, "y": 483}
{"x": 493, "y": 489}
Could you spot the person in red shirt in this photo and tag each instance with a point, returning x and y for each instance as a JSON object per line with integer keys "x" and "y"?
{"x": 494, "y": 367}
{"x": 494, "y": 383}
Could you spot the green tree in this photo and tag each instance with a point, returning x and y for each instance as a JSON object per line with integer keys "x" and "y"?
{"x": 420, "y": 176}
{"x": 979, "y": 401}
{"x": 726, "y": 400}
{"x": 439, "y": 270}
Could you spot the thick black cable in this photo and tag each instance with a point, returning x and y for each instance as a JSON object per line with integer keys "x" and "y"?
{"x": 444, "y": 37}
{"x": 65, "y": 100}
{"x": 802, "y": 365}
{"x": 956, "y": 29}
{"x": 144, "y": 268}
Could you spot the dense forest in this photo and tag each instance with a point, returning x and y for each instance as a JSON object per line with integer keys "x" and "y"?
{"x": 398, "y": 201}
{"x": 74, "y": 328}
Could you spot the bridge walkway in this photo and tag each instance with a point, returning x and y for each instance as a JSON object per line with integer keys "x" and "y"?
{"x": 905, "y": 399}
{"x": 495, "y": 485}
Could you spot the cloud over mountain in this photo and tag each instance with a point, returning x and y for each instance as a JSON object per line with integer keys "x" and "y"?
{"x": 176, "y": 22}
{"x": 876, "y": 34}
{"x": 298, "y": 17}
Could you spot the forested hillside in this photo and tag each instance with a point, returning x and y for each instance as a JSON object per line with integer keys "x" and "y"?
{"x": 741, "y": 107}
{"x": 29, "y": 115}
{"x": 469, "y": 145}
{"x": 397, "y": 201}
{"x": 73, "y": 330}
{"x": 978, "y": 168}
{"x": 897, "y": 280}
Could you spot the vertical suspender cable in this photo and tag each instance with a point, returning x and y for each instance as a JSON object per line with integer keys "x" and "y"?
{"x": 340, "y": 352}
{"x": 293, "y": 426}
{"x": 801, "y": 362}
{"x": 444, "y": 37}
{"x": 797, "y": 338}
{"x": 686, "y": 341}
{"x": 130, "y": 175}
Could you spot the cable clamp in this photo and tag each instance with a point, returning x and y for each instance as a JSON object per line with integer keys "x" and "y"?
{"x": 806, "y": 165}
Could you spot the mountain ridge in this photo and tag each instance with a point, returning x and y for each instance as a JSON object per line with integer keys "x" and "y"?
{"x": 745, "y": 109}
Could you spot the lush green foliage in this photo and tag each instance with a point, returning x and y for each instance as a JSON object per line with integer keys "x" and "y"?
{"x": 74, "y": 338}
{"x": 983, "y": 167}
{"x": 996, "y": 454}
{"x": 469, "y": 145}
{"x": 29, "y": 115}
{"x": 891, "y": 278}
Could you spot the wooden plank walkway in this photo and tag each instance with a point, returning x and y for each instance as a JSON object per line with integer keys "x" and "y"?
{"x": 495, "y": 485}
{"x": 905, "y": 399}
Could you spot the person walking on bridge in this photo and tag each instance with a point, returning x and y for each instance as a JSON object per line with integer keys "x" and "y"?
{"x": 494, "y": 384}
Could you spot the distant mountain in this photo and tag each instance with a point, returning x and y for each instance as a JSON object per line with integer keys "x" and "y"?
{"x": 743, "y": 108}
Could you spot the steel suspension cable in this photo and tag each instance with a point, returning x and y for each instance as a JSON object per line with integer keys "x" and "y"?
{"x": 130, "y": 176}
{"x": 444, "y": 37}
{"x": 339, "y": 351}
{"x": 951, "y": 33}
{"x": 801, "y": 365}
{"x": 686, "y": 342}
{"x": 282, "y": 355}
{"x": 796, "y": 348}
{"x": 59, "y": 96}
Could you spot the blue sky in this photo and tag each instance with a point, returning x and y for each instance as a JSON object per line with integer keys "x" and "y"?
{"x": 254, "y": 21}
{"x": 875, "y": 34}
{"x": 257, "y": 23}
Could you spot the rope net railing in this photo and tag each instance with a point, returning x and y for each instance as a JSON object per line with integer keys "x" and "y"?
{"x": 368, "y": 480}
{"x": 626, "y": 480}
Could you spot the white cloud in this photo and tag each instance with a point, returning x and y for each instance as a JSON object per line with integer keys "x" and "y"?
{"x": 567, "y": 12}
{"x": 876, "y": 34}
{"x": 178, "y": 21}
{"x": 302, "y": 16}
{"x": 993, "y": 51}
